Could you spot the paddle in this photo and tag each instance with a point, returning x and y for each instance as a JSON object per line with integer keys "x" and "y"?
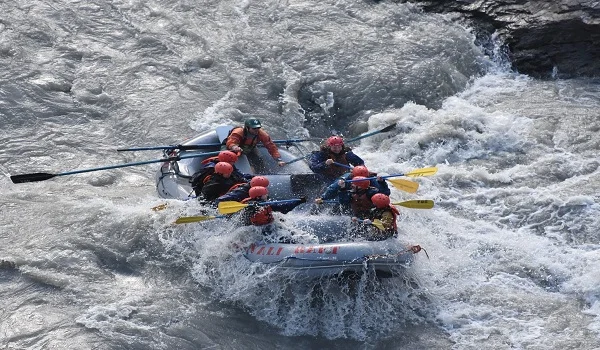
{"x": 377, "y": 223}
{"x": 190, "y": 219}
{"x": 413, "y": 204}
{"x": 34, "y": 177}
{"x": 416, "y": 204}
{"x": 200, "y": 146}
{"x": 230, "y": 207}
{"x": 386, "y": 129}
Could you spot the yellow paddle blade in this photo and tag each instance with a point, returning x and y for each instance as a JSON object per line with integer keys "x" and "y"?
{"x": 190, "y": 219}
{"x": 422, "y": 172}
{"x": 416, "y": 204}
{"x": 404, "y": 185}
{"x": 230, "y": 207}
{"x": 160, "y": 207}
{"x": 377, "y": 223}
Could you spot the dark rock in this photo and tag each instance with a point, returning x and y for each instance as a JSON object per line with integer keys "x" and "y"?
{"x": 544, "y": 38}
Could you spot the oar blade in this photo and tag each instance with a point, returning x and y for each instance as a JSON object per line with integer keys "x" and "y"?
{"x": 404, "y": 185}
{"x": 160, "y": 207}
{"x": 416, "y": 204}
{"x": 190, "y": 219}
{"x": 230, "y": 207}
{"x": 422, "y": 172}
{"x": 34, "y": 177}
{"x": 377, "y": 223}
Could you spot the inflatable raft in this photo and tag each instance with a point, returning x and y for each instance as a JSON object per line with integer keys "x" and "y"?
{"x": 331, "y": 253}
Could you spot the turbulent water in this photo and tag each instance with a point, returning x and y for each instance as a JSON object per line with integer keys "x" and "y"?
{"x": 513, "y": 240}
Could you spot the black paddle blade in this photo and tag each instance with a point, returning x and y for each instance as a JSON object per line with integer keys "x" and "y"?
{"x": 388, "y": 128}
{"x": 17, "y": 179}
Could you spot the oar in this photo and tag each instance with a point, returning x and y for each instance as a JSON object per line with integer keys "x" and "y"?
{"x": 230, "y": 207}
{"x": 377, "y": 223}
{"x": 200, "y": 146}
{"x": 414, "y": 173}
{"x": 190, "y": 219}
{"x": 45, "y": 176}
{"x": 386, "y": 129}
{"x": 416, "y": 204}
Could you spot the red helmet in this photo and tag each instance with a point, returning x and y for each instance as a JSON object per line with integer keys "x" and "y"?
{"x": 258, "y": 191}
{"x": 227, "y": 156}
{"x": 335, "y": 140}
{"x": 259, "y": 181}
{"x": 223, "y": 168}
{"x": 360, "y": 170}
{"x": 380, "y": 200}
{"x": 361, "y": 183}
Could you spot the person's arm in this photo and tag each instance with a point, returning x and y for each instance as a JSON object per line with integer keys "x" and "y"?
{"x": 235, "y": 138}
{"x": 211, "y": 190}
{"x": 269, "y": 145}
{"x": 354, "y": 159}
{"x": 382, "y": 186}
{"x": 287, "y": 207}
{"x": 317, "y": 162}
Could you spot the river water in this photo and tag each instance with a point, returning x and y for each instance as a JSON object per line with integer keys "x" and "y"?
{"x": 513, "y": 240}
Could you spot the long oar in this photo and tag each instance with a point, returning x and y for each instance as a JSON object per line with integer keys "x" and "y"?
{"x": 386, "y": 129}
{"x": 404, "y": 185}
{"x": 416, "y": 204}
{"x": 414, "y": 173}
{"x": 45, "y": 176}
{"x": 190, "y": 219}
{"x": 230, "y": 207}
{"x": 200, "y": 146}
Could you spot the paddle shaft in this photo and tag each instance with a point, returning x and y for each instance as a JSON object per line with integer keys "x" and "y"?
{"x": 45, "y": 176}
{"x": 200, "y": 146}
{"x": 386, "y": 129}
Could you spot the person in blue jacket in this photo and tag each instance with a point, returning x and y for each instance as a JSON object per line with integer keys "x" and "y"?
{"x": 241, "y": 192}
{"x": 208, "y": 168}
{"x": 340, "y": 185}
{"x": 322, "y": 162}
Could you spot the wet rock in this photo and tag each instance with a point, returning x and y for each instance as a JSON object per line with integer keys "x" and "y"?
{"x": 545, "y": 38}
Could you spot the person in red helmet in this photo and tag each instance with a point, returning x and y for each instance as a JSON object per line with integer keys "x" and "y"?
{"x": 340, "y": 188}
{"x": 221, "y": 181}
{"x": 387, "y": 214}
{"x": 244, "y": 140}
{"x": 241, "y": 192}
{"x": 333, "y": 151}
{"x": 208, "y": 168}
{"x": 261, "y": 215}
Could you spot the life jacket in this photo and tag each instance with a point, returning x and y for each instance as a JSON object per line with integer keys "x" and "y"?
{"x": 201, "y": 176}
{"x": 259, "y": 215}
{"x": 249, "y": 141}
{"x": 335, "y": 171}
{"x": 361, "y": 204}
{"x": 377, "y": 213}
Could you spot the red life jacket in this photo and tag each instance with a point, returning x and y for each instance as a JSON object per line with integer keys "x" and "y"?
{"x": 259, "y": 215}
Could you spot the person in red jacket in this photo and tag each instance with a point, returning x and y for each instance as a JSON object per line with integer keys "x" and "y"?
{"x": 244, "y": 139}
{"x": 260, "y": 215}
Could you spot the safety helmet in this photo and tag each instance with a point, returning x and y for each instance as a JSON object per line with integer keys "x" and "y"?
{"x": 258, "y": 191}
{"x": 380, "y": 200}
{"x": 335, "y": 140}
{"x": 360, "y": 170}
{"x": 361, "y": 183}
{"x": 252, "y": 123}
{"x": 259, "y": 181}
{"x": 227, "y": 156}
{"x": 223, "y": 168}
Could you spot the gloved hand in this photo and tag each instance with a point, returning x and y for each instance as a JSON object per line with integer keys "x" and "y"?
{"x": 329, "y": 161}
{"x": 319, "y": 201}
{"x": 354, "y": 219}
{"x": 302, "y": 199}
{"x": 367, "y": 222}
{"x": 236, "y": 148}
{"x": 341, "y": 183}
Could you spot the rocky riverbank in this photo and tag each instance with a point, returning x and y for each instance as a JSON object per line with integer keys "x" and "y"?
{"x": 545, "y": 38}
